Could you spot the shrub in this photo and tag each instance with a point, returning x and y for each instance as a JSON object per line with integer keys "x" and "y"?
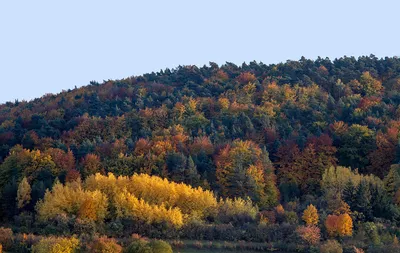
{"x": 357, "y": 250}
{"x": 309, "y": 234}
{"x": 138, "y": 246}
{"x": 242, "y": 245}
{"x": 56, "y": 245}
{"x": 136, "y": 236}
{"x": 237, "y": 210}
{"x": 331, "y": 246}
{"x": 198, "y": 245}
{"x": 209, "y": 244}
{"x": 24, "y": 242}
{"x": 267, "y": 233}
{"x": 152, "y": 230}
{"x": 104, "y": 245}
{"x": 384, "y": 248}
{"x": 6, "y": 238}
{"x": 178, "y": 244}
{"x": 229, "y": 246}
{"x": 159, "y": 246}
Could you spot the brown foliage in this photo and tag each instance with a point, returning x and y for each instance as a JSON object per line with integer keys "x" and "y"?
{"x": 104, "y": 245}
{"x": 72, "y": 175}
{"x": 305, "y": 167}
{"x": 339, "y": 225}
{"x": 6, "y": 238}
{"x": 246, "y": 77}
{"x": 91, "y": 164}
{"x": 63, "y": 160}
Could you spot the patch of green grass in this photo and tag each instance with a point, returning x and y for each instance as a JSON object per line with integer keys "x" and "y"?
{"x": 192, "y": 246}
{"x": 188, "y": 250}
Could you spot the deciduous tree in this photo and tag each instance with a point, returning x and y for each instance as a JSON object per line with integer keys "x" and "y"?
{"x": 310, "y": 215}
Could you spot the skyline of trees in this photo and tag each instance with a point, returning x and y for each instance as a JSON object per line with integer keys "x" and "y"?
{"x": 309, "y": 140}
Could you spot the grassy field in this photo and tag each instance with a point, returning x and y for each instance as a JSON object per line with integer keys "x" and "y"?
{"x": 189, "y": 246}
{"x": 210, "y": 250}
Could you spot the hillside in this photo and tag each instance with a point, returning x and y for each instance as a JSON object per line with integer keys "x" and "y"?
{"x": 283, "y": 136}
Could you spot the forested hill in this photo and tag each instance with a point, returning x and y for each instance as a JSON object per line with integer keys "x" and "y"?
{"x": 264, "y": 131}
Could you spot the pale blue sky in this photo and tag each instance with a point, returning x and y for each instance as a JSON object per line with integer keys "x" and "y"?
{"x": 48, "y": 46}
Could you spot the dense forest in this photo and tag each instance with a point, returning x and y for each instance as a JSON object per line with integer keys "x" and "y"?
{"x": 302, "y": 156}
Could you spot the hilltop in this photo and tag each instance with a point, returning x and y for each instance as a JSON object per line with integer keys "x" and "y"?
{"x": 271, "y": 137}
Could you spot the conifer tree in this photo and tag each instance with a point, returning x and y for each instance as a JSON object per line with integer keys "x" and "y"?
{"x": 192, "y": 176}
{"x": 349, "y": 193}
{"x": 363, "y": 199}
{"x": 23, "y": 193}
{"x": 392, "y": 180}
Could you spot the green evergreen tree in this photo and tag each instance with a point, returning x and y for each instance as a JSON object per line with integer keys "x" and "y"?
{"x": 7, "y": 200}
{"x": 350, "y": 194}
{"x": 392, "y": 180}
{"x": 271, "y": 191}
{"x": 176, "y": 165}
{"x": 363, "y": 200}
{"x": 192, "y": 176}
{"x": 380, "y": 202}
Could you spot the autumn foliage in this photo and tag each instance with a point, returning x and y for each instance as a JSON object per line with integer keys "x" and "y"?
{"x": 310, "y": 234}
{"x": 209, "y": 153}
{"x": 242, "y": 163}
{"x": 339, "y": 225}
{"x": 310, "y": 215}
{"x": 56, "y": 245}
{"x": 156, "y": 191}
{"x": 104, "y": 245}
{"x": 72, "y": 199}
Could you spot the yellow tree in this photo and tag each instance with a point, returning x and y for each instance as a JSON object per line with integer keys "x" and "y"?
{"x": 339, "y": 225}
{"x": 87, "y": 210}
{"x": 345, "y": 225}
{"x": 370, "y": 85}
{"x": 56, "y": 245}
{"x": 156, "y": 191}
{"x": 72, "y": 200}
{"x": 310, "y": 215}
{"x": 128, "y": 206}
{"x": 192, "y": 105}
{"x": 243, "y": 169}
{"x": 23, "y": 193}
{"x": 224, "y": 103}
